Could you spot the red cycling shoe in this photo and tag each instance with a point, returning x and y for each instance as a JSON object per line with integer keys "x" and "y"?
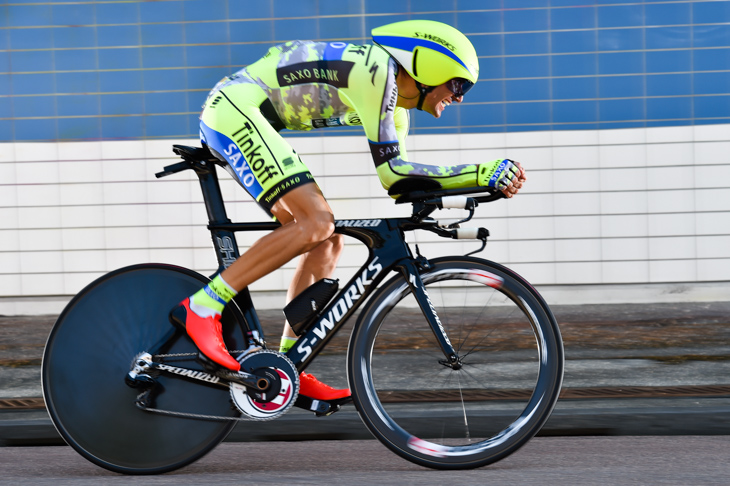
{"x": 205, "y": 332}
{"x": 311, "y": 387}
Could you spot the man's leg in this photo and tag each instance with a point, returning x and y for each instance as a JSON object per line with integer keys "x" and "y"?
{"x": 317, "y": 263}
{"x": 312, "y": 266}
{"x": 311, "y": 222}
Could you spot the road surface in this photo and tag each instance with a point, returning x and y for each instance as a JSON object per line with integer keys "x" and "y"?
{"x": 583, "y": 461}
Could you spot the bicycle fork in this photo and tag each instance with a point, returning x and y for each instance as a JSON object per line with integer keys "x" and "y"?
{"x": 410, "y": 269}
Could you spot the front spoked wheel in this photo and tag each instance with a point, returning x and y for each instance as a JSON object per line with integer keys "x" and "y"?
{"x": 456, "y": 417}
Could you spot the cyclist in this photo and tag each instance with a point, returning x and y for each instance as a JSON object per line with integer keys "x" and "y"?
{"x": 302, "y": 85}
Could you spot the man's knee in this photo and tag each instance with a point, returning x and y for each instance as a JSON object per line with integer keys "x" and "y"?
{"x": 318, "y": 229}
{"x": 311, "y": 214}
{"x": 331, "y": 248}
{"x": 325, "y": 228}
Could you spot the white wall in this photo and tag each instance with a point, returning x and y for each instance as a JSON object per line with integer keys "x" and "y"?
{"x": 615, "y": 215}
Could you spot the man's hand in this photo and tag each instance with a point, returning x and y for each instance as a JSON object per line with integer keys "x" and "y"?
{"x": 505, "y": 175}
{"x": 516, "y": 182}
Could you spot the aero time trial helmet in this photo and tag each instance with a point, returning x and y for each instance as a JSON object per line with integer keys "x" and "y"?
{"x": 431, "y": 52}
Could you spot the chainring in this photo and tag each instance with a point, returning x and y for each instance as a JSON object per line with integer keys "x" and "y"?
{"x": 281, "y": 394}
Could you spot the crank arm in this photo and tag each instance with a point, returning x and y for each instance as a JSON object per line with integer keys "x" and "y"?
{"x": 246, "y": 379}
{"x": 143, "y": 364}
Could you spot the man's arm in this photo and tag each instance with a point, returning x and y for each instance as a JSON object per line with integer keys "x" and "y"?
{"x": 387, "y": 128}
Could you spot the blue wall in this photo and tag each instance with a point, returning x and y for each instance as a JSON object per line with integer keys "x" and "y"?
{"x": 129, "y": 70}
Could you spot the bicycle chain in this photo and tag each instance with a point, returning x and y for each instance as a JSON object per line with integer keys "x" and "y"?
{"x": 181, "y": 355}
{"x": 197, "y": 416}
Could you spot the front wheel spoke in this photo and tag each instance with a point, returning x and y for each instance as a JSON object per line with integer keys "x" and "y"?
{"x": 475, "y": 379}
{"x": 494, "y": 323}
{"x": 479, "y": 343}
{"x": 446, "y": 384}
{"x": 463, "y": 409}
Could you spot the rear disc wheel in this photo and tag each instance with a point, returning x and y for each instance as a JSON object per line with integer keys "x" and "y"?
{"x": 90, "y": 351}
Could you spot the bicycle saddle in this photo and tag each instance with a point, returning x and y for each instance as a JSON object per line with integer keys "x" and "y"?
{"x": 193, "y": 154}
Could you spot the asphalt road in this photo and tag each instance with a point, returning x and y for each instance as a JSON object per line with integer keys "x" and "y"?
{"x": 562, "y": 461}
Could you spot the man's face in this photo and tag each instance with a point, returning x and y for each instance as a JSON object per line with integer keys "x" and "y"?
{"x": 438, "y": 99}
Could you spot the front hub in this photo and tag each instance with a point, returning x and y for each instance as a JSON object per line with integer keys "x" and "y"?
{"x": 454, "y": 362}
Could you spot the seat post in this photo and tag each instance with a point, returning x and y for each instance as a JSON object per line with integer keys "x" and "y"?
{"x": 224, "y": 241}
{"x": 209, "y": 185}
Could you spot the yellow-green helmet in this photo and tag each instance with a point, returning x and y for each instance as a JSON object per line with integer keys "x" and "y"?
{"x": 431, "y": 52}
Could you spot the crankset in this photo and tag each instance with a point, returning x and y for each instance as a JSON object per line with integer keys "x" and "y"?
{"x": 265, "y": 388}
{"x": 278, "y": 397}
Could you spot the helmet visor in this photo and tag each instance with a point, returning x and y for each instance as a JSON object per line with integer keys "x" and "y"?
{"x": 459, "y": 86}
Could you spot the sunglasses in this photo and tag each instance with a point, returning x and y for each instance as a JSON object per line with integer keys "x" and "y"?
{"x": 458, "y": 86}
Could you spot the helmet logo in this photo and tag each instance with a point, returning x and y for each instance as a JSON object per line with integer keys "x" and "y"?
{"x": 435, "y": 39}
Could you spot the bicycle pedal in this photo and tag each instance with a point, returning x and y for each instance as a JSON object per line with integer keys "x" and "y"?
{"x": 253, "y": 348}
{"x": 208, "y": 364}
{"x": 321, "y": 408}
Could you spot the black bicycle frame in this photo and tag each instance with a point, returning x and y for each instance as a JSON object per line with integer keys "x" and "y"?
{"x": 387, "y": 251}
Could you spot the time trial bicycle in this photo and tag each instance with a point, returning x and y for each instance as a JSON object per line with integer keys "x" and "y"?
{"x": 453, "y": 363}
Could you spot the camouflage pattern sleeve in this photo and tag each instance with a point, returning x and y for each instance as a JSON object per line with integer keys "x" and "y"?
{"x": 402, "y": 120}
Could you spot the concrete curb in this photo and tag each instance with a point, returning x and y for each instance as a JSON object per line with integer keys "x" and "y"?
{"x": 605, "y": 417}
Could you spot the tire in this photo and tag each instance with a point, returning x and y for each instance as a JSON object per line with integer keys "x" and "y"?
{"x": 435, "y": 416}
{"x": 89, "y": 352}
